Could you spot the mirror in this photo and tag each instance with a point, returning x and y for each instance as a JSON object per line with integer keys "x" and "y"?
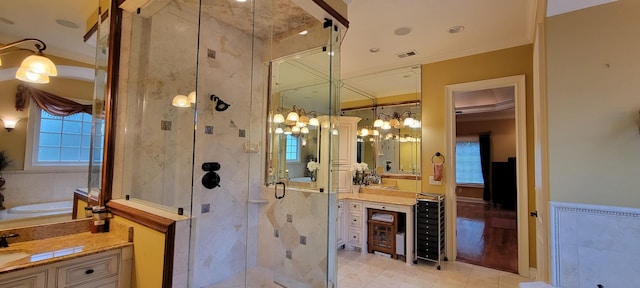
{"x": 35, "y": 179}
{"x": 389, "y": 132}
{"x": 300, "y": 86}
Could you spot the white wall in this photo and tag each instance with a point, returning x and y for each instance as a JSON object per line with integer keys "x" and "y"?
{"x": 593, "y": 102}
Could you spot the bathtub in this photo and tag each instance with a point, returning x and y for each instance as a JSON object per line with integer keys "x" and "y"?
{"x": 49, "y": 207}
{"x": 36, "y": 214}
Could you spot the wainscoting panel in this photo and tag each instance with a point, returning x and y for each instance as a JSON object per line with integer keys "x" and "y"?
{"x": 594, "y": 245}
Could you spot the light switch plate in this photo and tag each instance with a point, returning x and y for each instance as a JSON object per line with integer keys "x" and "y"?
{"x": 434, "y": 182}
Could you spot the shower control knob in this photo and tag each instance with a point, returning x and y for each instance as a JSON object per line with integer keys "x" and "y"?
{"x": 210, "y": 166}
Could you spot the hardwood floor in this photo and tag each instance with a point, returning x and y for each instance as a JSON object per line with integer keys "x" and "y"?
{"x": 487, "y": 236}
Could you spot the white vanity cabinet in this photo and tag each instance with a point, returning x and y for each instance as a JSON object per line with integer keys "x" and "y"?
{"x": 354, "y": 225}
{"x": 110, "y": 269}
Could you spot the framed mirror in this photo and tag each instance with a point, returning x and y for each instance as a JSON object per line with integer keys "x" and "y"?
{"x": 50, "y": 151}
{"x": 389, "y": 132}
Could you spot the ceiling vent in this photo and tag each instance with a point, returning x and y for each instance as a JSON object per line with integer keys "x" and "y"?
{"x": 407, "y": 54}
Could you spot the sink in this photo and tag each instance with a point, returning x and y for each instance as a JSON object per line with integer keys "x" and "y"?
{"x": 12, "y": 255}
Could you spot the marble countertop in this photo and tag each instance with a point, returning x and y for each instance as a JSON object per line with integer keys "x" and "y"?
{"x": 55, "y": 249}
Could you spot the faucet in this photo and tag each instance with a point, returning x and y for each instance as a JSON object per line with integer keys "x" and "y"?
{"x": 3, "y": 240}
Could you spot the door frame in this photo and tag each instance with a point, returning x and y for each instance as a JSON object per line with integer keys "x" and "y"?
{"x": 518, "y": 82}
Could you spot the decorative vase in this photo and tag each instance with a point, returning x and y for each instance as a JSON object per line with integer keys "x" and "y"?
{"x": 355, "y": 189}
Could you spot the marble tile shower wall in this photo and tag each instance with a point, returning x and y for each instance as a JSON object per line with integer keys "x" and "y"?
{"x": 236, "y": 75}
{"x": 157, "y": 158}
{"x": 40, "y": 187}
{"x": 593, "y": 244}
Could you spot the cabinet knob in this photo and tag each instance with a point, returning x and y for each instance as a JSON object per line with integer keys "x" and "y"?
{"x": 90, "y": 271}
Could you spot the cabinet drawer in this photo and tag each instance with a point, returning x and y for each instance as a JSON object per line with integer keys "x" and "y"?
{"x": 355, "y": 206}
{"x": 26, "y": 280}
{"x": 355, "y": 237}
{"x": 384, "y": 207}
{"x": 94, "y": 268}
{"x": 111, "y": 282}
{"x": 427, "y": 204}
{"x": 355, "y": 220}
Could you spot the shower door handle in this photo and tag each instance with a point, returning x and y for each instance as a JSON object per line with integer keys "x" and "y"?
{"x": 284, "y": 190}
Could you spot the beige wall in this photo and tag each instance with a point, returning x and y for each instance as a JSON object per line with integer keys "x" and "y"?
{"x": 14, "y": 142}
{"x": 593, "y": 65}
{"x": 503, "y": 136}
{"x": 496, "y": 64}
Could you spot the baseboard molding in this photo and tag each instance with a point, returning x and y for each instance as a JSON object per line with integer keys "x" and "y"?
{"x": 533, "y": 273}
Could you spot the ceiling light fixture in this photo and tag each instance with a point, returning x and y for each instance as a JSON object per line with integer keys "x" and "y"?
{"x": 305, "y": 32}
{"x": 456, "y": 29}
{"x": 403, "y": 30}
{"x": 67, "y": 23}
{"x": 35, "y": 68}
{"x": 374, "y": 50}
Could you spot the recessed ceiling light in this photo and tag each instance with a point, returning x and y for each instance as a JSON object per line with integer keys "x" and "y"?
{"x": 374, "y": 50}
{"x": 241, "y": 1}
{"x": 456, "y": 29}
{"x": 303, "y": 32}
{"x": 401, "y": 31}
{"x": 6, "y": 21}
{"x": 67, "y": 23}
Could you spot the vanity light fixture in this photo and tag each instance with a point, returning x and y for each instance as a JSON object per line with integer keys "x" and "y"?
{"x": 364, "y": 131}
{"x": 287, "y": 131}
{"x": 180, "y": 101}
{"x": 304, "y": 130}
{"x": 278, "y": 118}
{"x": 35, "y": 68}
{"x": 314, "y": 122}
{"x": 192, "y": 97}
{"x": 279, "y": 130}
{"x": 295, "y": 130}
{"x": 378, "y": 123}
{"x": 376, "y": 132}
{"x": 293, "y": 116}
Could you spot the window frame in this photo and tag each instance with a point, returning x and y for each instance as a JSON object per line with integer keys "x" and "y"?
{"x": 298, "y": 151}
{"x": 463, "y": 139}
{"x": 33, "y": 128}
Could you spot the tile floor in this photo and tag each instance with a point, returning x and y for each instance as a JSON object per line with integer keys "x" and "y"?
{"x": 357, "y": 270}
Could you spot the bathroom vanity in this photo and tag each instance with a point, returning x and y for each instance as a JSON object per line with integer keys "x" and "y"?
{"x": 74, "y": 260}
{"x": 356, "y": 228}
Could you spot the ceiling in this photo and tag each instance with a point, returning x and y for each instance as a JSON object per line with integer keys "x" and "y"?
{"x": 488, "y": 25}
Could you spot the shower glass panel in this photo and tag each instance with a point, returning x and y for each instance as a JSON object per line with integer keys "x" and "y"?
{"x": 238, "y": 59}
{"x": 159, "y": 118}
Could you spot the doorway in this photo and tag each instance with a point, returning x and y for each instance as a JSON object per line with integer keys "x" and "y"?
{"x": 489, "y": 213}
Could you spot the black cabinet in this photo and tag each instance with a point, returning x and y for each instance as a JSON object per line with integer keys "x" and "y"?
{"x": 429, "y": 227}
{"x": 503, "y": 184}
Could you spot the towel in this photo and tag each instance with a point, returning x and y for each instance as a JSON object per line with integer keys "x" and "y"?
{"x": 382, "y": 217}
{"x": 437, "y": 171}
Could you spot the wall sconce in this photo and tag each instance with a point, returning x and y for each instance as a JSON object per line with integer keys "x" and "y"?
{"x": 35, "y": 68}
{"x": 10, "y": 124}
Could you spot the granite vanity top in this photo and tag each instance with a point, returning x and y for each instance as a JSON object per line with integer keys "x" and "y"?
{"x": 382, "y": 195}
{"x": 54, "y": 249}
